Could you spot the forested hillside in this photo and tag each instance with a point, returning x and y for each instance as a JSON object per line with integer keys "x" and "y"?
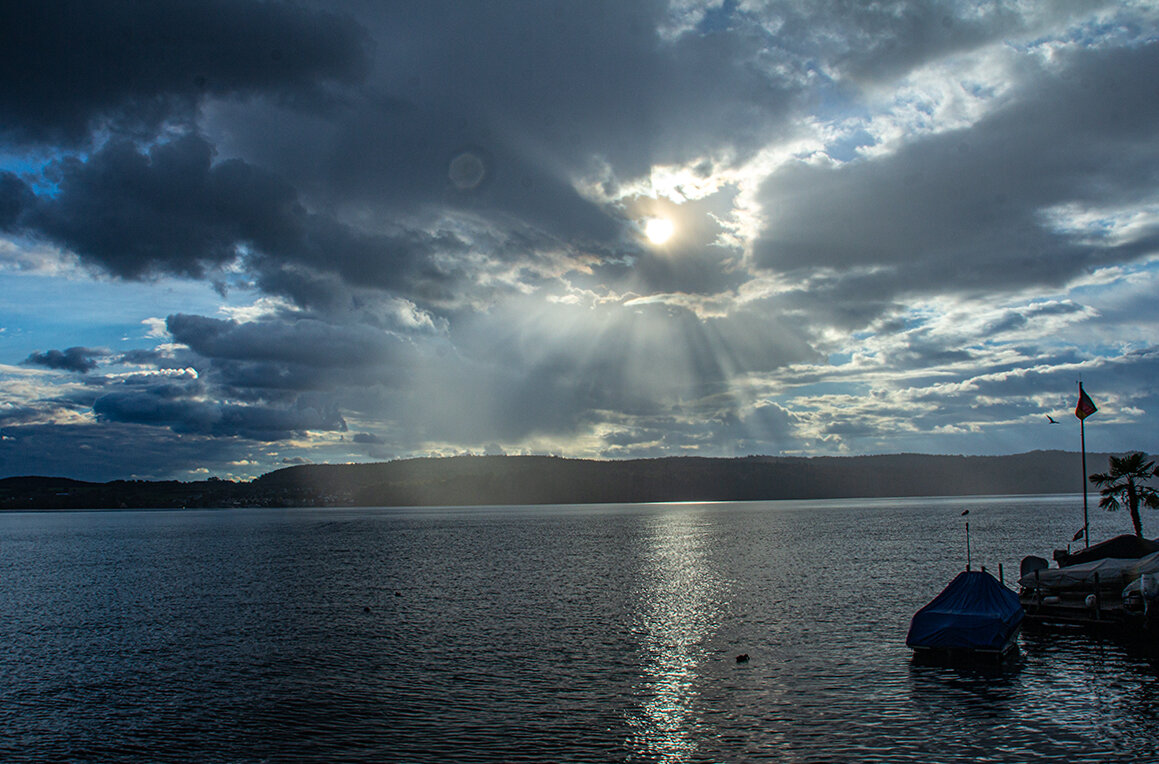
{"x": 470, "y": 480}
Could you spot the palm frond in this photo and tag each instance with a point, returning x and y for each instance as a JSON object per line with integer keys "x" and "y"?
{"x": 1100, "y": 477}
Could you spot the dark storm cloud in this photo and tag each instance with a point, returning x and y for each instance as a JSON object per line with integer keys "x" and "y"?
{"x": 263, "y": 381}
{"x": 582, "y": 80}
{"x": 172, "y": 209}
{"x": 304, "y": 341}
{"x": 446, "y": 123}
{"x": 180, "y": 409}
{"x": 633, "y": 84}
{"x": 412, "y": 157}
{"x": 494, "y": 116}
{"x": 71, "y": 67}
{"x": 78, "y": 359}
{"x": 15, "y": 198}
{"x": 85, "y": 452}
{"x": 20, "y": 415}
{"x": 169, "y": 210}
{"x": 963, "y": 211}
{"x": 270, "y": 364}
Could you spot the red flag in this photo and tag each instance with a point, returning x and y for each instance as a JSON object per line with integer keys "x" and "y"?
{"x": 1085, "y": 406}
{"x": 1080, "y": 534}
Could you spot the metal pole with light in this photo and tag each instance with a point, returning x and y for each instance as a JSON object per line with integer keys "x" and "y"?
{"x": 964, "y": 513}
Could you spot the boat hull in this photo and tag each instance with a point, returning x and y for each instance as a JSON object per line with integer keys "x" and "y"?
{"x": 1006, "y": 653}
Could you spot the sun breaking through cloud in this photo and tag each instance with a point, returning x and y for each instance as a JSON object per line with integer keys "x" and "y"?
{"x": 659, "y": 230}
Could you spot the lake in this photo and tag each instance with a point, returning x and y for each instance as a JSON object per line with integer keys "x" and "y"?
{"x": 542, "y": 634}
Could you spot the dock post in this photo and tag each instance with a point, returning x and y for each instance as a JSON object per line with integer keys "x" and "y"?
{"x": 1001, "y": 577}
{"x": 1038, "y": 588}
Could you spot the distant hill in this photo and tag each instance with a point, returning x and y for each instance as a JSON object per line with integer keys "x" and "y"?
{"x": 479, "y": 480}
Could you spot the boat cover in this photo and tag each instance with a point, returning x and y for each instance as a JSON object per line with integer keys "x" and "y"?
{"x": 1124, "y": 546}
{"x": 1110, "y": 570}
{"x": 975, "y": 612}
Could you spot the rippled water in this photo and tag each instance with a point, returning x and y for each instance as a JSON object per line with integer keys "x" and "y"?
{"x": 596, "y": 633}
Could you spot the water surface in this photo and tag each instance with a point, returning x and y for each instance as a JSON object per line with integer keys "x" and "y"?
{"x": 593, "y": 633}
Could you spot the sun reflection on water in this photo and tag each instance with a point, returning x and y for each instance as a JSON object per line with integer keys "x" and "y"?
{"x": 679, "y": 606}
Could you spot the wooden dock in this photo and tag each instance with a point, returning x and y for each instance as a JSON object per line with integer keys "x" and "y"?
{"x": 1098, "y": 604}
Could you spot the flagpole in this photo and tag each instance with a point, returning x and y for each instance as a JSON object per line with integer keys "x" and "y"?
{"x": 1083, "y": 438}
{"x": 1082, "y": 410}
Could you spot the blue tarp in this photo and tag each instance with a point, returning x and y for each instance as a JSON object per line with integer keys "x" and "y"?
{"x": 975, "y": 612}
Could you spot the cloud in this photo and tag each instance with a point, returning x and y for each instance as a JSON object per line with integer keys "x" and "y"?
{"x": 877, "y": 43}
{"x": 301, "y": 341}
{"x": 181, "y": 408}
{"x": 588, "y": 100}
{"x": 172, "y": 209}
{"x": 168, "y": 210}
{"x": 898, "y": 225}
{"x": 15, "y": 198}
{"x": 583, "y": 82}
{"x": 129, "y": 67}
{"x": 78, "y": 359}
{"x": 963, "y": 211}
{"x": 85, "y": 452}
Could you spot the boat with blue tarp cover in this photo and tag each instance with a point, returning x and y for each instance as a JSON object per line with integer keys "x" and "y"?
{"x": 976, "y": 616}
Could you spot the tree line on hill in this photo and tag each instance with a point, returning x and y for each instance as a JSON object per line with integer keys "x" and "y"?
{"x": 509, "y": 480}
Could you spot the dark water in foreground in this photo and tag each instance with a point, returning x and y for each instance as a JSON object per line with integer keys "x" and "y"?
{"x": 540, "y": 634}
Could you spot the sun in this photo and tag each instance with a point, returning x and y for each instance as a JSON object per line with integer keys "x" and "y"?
{"x": 659, "y": 230}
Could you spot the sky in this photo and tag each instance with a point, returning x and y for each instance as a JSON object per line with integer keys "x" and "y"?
{"x": 238, "y": 235}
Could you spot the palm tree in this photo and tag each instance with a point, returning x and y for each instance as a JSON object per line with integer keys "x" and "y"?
{"x": 1123, "y": 484}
